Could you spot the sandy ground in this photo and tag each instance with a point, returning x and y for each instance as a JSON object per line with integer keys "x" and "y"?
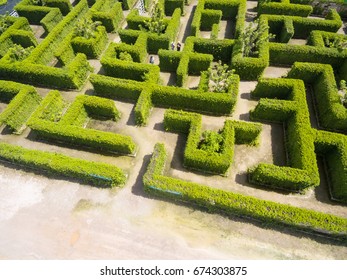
{"x": 49, "y": 218}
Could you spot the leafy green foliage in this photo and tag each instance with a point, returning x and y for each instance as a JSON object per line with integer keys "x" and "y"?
{"x": 343, "y": 87}
{"x": 252, "y": 37}
{"x": 125, "y": 56}
{"x": 18, "y": 53}
{"x": 4, "y": 23}
{"x": 155, "y": 23}
{"x": 95, "y": 173}
{"x": 86, "y": 28}
{"x": 338, "y": 43}
{"x": 220, "y": 78}
{"x": 216, "y": 200}
{"x": 211, "y": 142}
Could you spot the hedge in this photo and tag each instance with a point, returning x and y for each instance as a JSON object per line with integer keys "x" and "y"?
{"x": 64, "y": 5}
{"x": 137, "y": 50}
{"x": 284, "y": 8}
{"x": 231, "y": 10}
{"x": 91, "y": 47}
{"x": 22, "y": 101}
{"x": 114, "y": 88}
{"x": 15, "y": 25}
{"x": 288, "y": 54}
{"x": 33, "y": 13}
{"x": 216, "y": 200}
{"x": 171, "y": 5}
{"x": 94, "y": 173}
{"x": 303, "y": 26}
{"x": 195, "y": 158}
{"x": 333, "y": 147}
{"x": 203, "y": 102}
{"x": 198, "y": 159}
{"x": 69, "y": 128}
{"x": 302, "y": 172}
{"x": 251, "y": 68}
{"x": 109, "y": 13}
{"x": 208, "y": 18}
{"x": 50, "y": 109}
{"x": 220, "y": 49}
{"x": 332, "y": 114}
{"x": 51, "y": 20}
{"x": 44, "y": 53}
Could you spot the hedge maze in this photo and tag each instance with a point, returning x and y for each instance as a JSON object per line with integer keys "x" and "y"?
{"x": 93, "y": 57}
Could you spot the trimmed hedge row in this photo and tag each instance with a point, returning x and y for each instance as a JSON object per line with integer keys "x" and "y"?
{"x": 303, "y": 26}
{"x": 15, "y": 25}
{"x": 109, "y": 13}
{"x": 51, "y": 20}
{"x": 332, "y": 114}
{"x": 64, "y": 5}
{"x": 333, "y": 147}
{"x": 22, "y": 102}
{"x": 299, "y": 142}
{"x": 289, "y": 54}
{"x": 217, "y": 200}
{"x": 171, "y": 5}
{"x": 284, "y": 8}
{"x": 207, "y": 13}
{"x": 164, "y": 96}
{"x": 33, "y": 13}
{"x": 92, "y": 47}
{"x": 69, "y": 129}
{"x": 87, "y": 106}
{"x": 195, "y": 158}
{"x": 155, "y": 42}
{"x": 44, "y": 53}
{"x": 198, "y": 159}
{"x": 251, "y": 68}
{"x": 94, "y": 173}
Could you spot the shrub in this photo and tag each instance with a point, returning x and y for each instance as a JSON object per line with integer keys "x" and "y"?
{"x": 303, "y": 170}
{"x": 69, "y": 129}
{"x": 22, "y": 102}
{"x": 331, "y": 112}
{"x": 216, "y": 200}
{"x": 95, "y": 173}
{"x": 284, "y": 8}
{"x": 109, "y": 13}
{"x": 333, "y": 147}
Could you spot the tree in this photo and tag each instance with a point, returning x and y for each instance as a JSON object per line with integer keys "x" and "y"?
{"x": 343, "y": 87}
{"x": 18, "y": 53}
{"x": 252, "y": 37}
{"x": 155, "y": 23}
{"x": 211, "y": 142}
{"x": 86, "y": 28}
{"x": 219, "y": 77}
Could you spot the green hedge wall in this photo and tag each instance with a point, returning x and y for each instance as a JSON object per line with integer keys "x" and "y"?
{"x": 95, "y": 173}
{"x": 109, "y": 13}
{"x": 92, "y": 47}
{"x": 69, "y": 129}
{"x": 208, "y": 18}
{"x": 333, "y": 147}
{"x": 283, "y": 8}
{"x": 171, "y": 5}
{"x": 51, "y": 20}
{"x": 22, "y": 101}
{"x": 331, "y": 113}
{"x": 251, "y": 68}
{"x": 195, "y": 158}
{"x": 217, "y": 200}
{"x": 299, "y": 142}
